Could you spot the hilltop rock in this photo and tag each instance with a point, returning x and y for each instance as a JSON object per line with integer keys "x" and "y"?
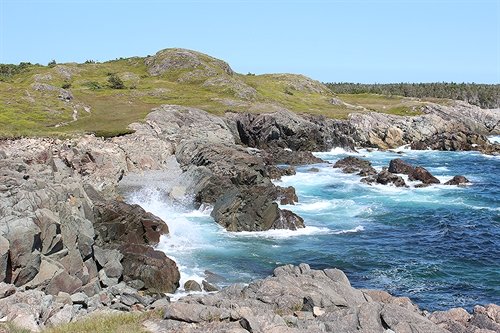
{"x": 171, "y": 60}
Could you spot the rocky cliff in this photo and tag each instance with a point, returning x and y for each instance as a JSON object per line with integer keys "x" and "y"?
{"x": 64, "y": 230}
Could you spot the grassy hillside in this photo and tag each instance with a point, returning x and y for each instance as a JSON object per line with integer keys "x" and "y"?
{"x": 103, "y": 98}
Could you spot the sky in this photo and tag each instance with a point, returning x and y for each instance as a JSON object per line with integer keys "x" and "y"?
{"x": 332, "y": 41}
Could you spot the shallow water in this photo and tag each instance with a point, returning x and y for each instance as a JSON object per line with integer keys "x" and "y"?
{"x": 439, "y": 245}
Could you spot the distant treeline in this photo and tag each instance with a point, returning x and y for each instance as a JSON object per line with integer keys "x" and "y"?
{"x": 483, "y": 95}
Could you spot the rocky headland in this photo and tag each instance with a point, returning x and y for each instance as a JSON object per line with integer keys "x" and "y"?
{"x": 70, "y": 245}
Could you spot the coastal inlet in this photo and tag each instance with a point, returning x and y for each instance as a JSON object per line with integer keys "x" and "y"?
{"x": 438, "y": 245}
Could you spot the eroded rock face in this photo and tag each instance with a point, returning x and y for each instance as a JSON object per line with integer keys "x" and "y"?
{"x": 284, "y": 129}
{"x": 459, "y": 126}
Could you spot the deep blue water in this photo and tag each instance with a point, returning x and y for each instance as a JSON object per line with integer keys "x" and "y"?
{"x": 439, "y": 245}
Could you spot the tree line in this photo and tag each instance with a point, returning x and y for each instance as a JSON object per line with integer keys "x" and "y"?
{"x": 482, "y": 95}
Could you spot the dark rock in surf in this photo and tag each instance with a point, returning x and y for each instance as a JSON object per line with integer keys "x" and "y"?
{"x": 385, "y": 177}
{"x": 399, "y": 166}
{"x": 457, "y": 180}
{"x": 357, "y": 165}
{"x": 422, "y": 174}
{"x": 286, "y": 195}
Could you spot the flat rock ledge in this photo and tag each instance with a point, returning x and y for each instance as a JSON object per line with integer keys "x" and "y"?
{"x": 300, "y": 299}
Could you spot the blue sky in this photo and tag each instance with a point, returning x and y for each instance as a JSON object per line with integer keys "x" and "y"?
{"x": 354, "y": 41}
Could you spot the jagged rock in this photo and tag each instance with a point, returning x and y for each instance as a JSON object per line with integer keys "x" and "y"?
{"x": 457, "y": 180}
{"x": 353, "y": 164}
{"x": 208, "y": 286}
{"x": 287, "y": 195}
{"x": 456, "y": 140}
{"x": 275, "y": 172}
{"x": 399, "y": 166}
{"x": 120, "y": 223}
{"x": 79, "y": 298}
{"x": 420, "y": 173}
{"x": 192, "y": 285}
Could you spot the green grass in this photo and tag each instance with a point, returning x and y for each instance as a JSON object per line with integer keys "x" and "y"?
{"x": 27, "y": 112}
{"x": 11, "y": 328}
{"x": 397, "y": 105}
{"x": 109, "y": 323}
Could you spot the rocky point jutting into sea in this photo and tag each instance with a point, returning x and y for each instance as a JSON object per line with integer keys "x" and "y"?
{"x": 70, "y": 245}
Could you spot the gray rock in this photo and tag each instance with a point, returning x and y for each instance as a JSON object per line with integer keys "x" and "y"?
{"x": 6, "y": 289}
{"x": 63, "y": 316}
{"x": 192, "y": 285}
{"x": 79, "y": 298}
{"x": 208, "y": 286}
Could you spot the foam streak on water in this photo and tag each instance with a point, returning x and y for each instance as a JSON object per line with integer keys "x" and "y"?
{"x": 439, "y": 245}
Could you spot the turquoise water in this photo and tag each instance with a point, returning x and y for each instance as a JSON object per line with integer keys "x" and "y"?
{"x": 439, "y": 245}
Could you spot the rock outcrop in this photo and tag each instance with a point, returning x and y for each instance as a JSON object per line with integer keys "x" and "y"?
{"x": 233, "y": 179}
{"x": 459, "y": 126}
{"x": 300, "y": 299}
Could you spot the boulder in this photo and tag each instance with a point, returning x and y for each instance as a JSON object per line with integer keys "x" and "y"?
{"x": 420, "y": 173}
{"x": 158, "y": 272}
{"x": 192, "y": 285}
{"x": 457, "y": 180}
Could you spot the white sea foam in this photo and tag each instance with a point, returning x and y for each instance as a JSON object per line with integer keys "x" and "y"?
{"x": 350, "y": 231}
{"x": 282, "y": 233}
{"x": 494, "y": 139}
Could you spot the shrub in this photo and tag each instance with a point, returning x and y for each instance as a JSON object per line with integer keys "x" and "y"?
{"x": 52, "y": 63}
{"x": 66, "y": 85}
{"x": 115, "y": 82}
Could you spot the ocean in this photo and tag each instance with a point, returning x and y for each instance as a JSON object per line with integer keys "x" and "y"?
{"x": 438, "y": 245}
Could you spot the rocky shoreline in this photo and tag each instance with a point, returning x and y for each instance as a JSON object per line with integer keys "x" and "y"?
{"x": 69, "y": 245}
